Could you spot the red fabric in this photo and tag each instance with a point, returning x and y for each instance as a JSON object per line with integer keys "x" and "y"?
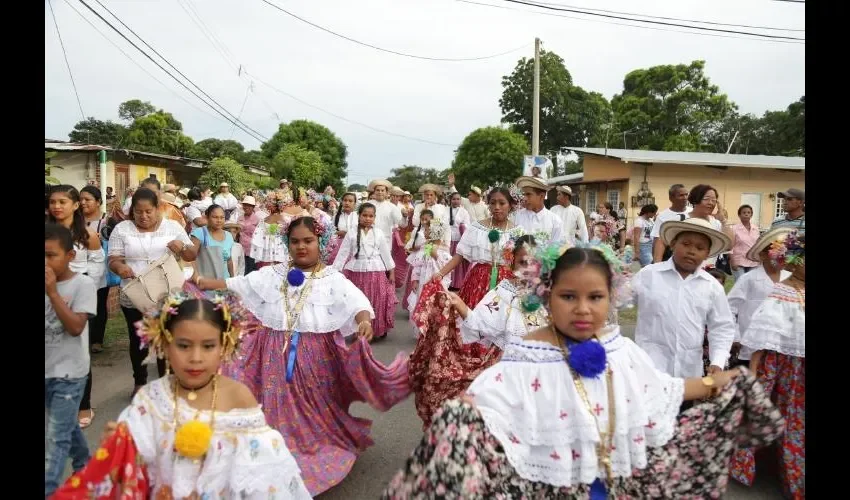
{"x": 441, "y": 366}
{"x": 784, "y": 379}
{"x": 115, "y": 472}
{"x": 477, "y": 283}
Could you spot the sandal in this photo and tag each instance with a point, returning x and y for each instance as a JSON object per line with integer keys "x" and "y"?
{"x": 86, "y": 421}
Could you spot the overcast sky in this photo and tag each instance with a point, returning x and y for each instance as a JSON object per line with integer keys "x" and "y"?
{"x": 434, "y": 101}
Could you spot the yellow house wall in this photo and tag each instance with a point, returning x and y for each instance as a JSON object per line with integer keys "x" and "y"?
{"x": 731, "y": 185}
{"x": 600, "y": 168}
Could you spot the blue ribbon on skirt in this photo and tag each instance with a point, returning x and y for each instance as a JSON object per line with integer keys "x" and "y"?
{"x": 292, "y": 356}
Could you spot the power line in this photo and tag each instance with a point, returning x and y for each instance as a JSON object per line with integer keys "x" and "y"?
{"x": 714, "y": 23}
{"x": 552, "y": 14}
{"x": 168, "y": 72}
{"x": 227, "y": 51}
{"x": 244, "y": 101}
{"x": 211, "y": 37}
{"x": 376, "y": 129}
{"x": 65, "y": 54}
{"x": 647, "y": 21}
{"x": 791, "y": 1}
{"x": 389, "y": 51}
{"x": 190, "y": 103}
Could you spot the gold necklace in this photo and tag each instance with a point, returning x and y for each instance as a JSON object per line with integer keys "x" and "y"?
{"x": 606, "y": 439}
{"x": 293, "y": 315}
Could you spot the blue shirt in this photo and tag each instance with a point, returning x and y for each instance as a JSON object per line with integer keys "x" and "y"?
{"x": 206, "y": 239}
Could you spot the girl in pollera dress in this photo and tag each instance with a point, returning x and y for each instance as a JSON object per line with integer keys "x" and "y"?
{"x": 428, "y": 255}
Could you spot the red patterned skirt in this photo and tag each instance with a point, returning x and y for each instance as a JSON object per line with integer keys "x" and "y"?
{"x": 381, "y": 294}
{"x": 477, "y": 283}
{"x": 784, "y": 379}
{"x": 400, "y": 258}
{"x": 441, "y": 366}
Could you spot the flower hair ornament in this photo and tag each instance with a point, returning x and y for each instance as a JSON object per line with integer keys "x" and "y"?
{"x": 516, "y": 193}
{"x": 153, "y": 332}
{"x": 790, "y": 250}
{"x": 320, "y": 229}
{"x": 510, "y": 246}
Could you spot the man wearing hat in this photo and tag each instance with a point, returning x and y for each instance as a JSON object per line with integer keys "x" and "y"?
{"x": 677, "y": 299}
{"x": 248, "y": 220}
{"x": 430, "y": 195}
{"x": 283, "y": 184}
{"x": 795, "y": 204}
{"x": 171, "y": 208}
{"x": 226, "y": 200}
{"x": 575, "y": 226}
{"x": 387, "y": 214}
{"x": 752, "y": 288}
{"x": 473, "y": 203}
{"x": 535, "y": 218}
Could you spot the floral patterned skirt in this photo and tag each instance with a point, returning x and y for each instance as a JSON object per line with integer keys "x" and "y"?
{"x": 784, "y": 379}
{"x": 441, "y": 366}
{"x": 459, "y": 458}
{"x": 477, "y": 283}
{"x": 400, "y": 258}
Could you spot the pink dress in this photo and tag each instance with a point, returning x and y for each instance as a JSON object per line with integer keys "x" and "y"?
{"x": 311, "y": 410}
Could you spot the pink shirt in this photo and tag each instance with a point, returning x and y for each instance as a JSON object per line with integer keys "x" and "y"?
{"x": 744, "y": 240}
{"x": 248, "y": 224}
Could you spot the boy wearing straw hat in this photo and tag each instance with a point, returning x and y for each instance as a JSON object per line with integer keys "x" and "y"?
{"x": 535, "y": 218}
{"x": 677, "y": 300}
{"x": 752, "y": 288}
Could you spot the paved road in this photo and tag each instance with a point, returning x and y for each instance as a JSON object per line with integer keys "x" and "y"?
{"x": 396, "y": 432}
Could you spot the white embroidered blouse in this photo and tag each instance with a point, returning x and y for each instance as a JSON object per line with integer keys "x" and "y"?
{"x": 249, "y": 459}
{"x": 475, "y": 246}
{"x": 779, "y": 324}
{"x": 332, "y": 304}
{"x": 499, "y": 318}
{"x": 530, "y": 403}
{"x": 374, "y": 252}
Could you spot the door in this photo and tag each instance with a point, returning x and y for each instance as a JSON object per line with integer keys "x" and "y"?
{"x": 122, "y": 180}
{"x": 753, "y": 200}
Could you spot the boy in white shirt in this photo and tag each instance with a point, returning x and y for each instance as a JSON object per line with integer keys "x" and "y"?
{"x": 677, "y": 299}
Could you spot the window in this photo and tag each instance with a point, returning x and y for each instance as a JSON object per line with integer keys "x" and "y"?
{"x": 614, "y": 198}
{"x": 591, "y": 202}
{"x": 779, "y": 210}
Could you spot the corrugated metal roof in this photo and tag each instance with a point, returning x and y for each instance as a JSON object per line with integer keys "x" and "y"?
{"x": 73, "y": 146}
{"x": 566, "y": 179}
{"x": 690, "y": 158}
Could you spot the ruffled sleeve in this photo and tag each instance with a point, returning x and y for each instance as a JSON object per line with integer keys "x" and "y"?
{"x": 779, "y": 324}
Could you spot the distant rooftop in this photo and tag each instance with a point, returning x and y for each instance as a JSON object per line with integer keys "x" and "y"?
{"x": 691, "y": 158}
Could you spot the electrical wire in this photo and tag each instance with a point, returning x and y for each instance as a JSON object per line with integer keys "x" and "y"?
{"x": 244, "y": 127}
{"x": 714, "y": 23}
{"x": 389, "y": 51}
{"x": 370, "y": 127}
{"x": 211, "y": 36}
{"x": 551, "y": 14}
{"x": 241, "y": 127}
{"x": 65, "y": 54}
{"x": 661, "y": 23}
{"x": 244, "y": 102}
{"x": 101, "y": 33}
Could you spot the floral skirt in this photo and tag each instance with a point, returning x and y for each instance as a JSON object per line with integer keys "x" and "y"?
{"x": 459, "y": 458}
{"x": 784, "y": 379}
{"x": 477, "y": 283}
{"x": 381, "y": 294}
{"x": 311, "y": 412}
{"x": 441, "y": 366}
{"x": 400, "y": 259}
{"x": 459, "y": 274}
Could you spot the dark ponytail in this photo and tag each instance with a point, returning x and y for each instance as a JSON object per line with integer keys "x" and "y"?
{"x": 79, "y": 230}
{"x": 359, "y": 213}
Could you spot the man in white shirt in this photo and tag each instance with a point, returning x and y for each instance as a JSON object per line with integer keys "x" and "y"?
{"x": 677, "y": 300}
{"x": 430, "y": 194}
{"x": 477, "y": 208}
{"x": 575, "y": 226}
{"x": 678, "y": 211}
{"x": 226, "y": 200}
{"x": 387, "y": 214}
{"x": 535, "y": 218}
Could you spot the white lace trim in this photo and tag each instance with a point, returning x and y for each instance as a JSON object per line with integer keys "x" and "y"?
{"x": 332, "y": 304}
{"x": 499, "y": 318}
{"x": 779, "y": 324}
{"x": 530, "y": 403}
{"x": 475, "y": 247}
{"x": 247, "y": 458}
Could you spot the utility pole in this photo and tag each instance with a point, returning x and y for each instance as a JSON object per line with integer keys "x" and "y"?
{"x": 732, "y": 142}
{"x": 535, "y": 134}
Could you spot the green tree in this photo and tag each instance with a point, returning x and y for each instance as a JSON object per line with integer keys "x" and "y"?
{"x": 94, "y": 131}
{"x": 255, "y": 158}
{"x": 314, "y": 137}
{"x": 489, "y": 155}
{"x": 670, "y": 107}
{"x": 134, "y": 109}
{"x": 356, "y": 188}
{"x": 208, "y": 149}
{"x": 300, "y": 165}
{"x": 159, "y": 132}
{"x": 569, "y": 115}
{"x": 226, "y": 170}
{"x": 410, "y": 177}
{"x": 780, "y": 133}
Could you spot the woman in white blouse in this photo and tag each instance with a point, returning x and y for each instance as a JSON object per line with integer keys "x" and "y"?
{"x": 135, "y": 244}
{"x": 365, "y": 259}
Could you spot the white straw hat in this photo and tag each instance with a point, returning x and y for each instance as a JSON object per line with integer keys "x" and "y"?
{"x": 720, "y": 242}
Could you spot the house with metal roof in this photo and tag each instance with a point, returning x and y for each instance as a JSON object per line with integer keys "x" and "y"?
{"x": 637, "y": 178}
